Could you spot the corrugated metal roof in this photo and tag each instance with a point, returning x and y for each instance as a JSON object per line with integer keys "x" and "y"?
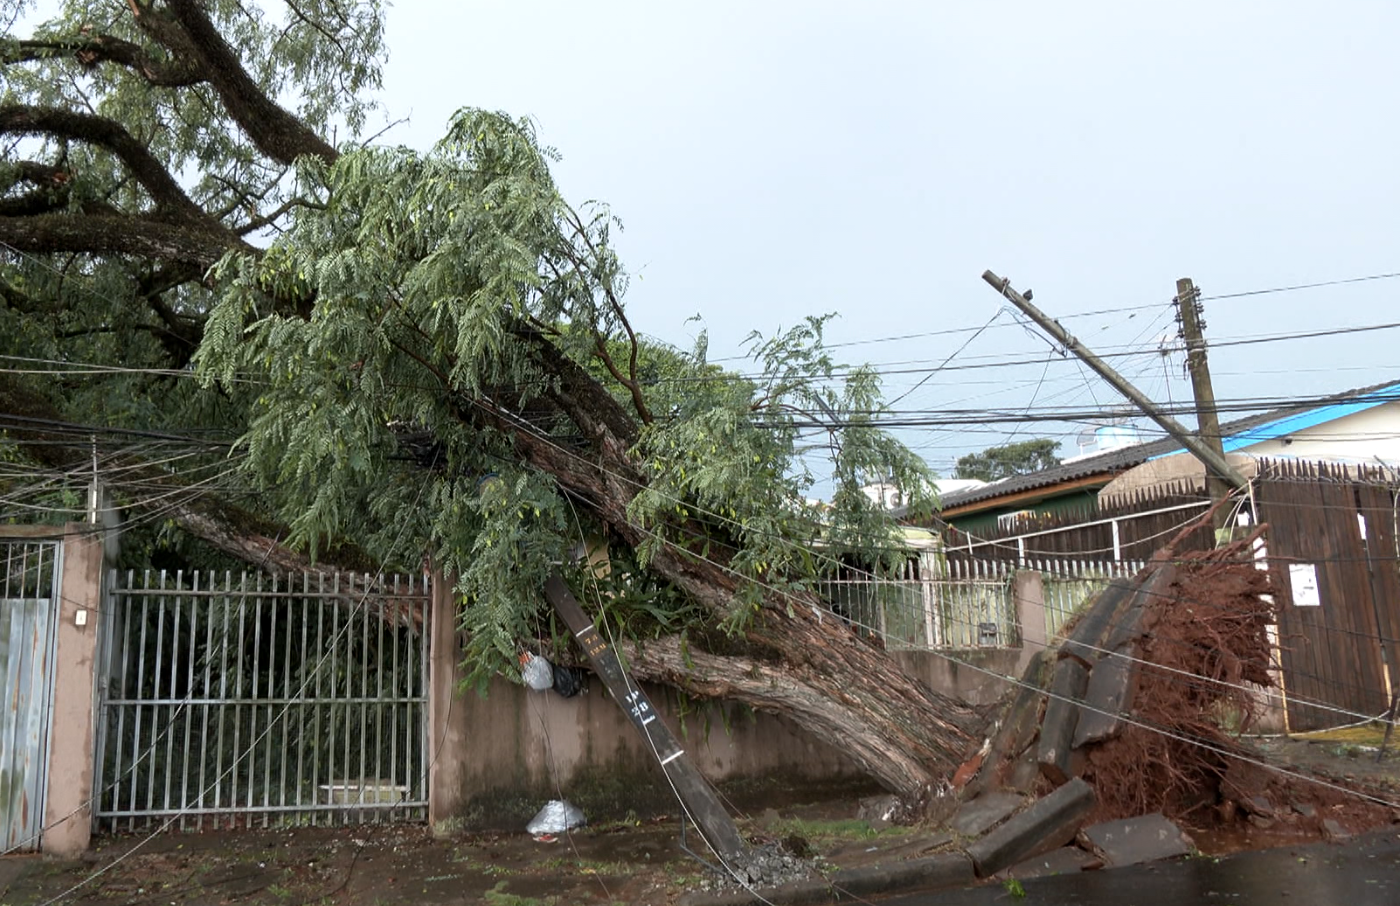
{"x": 1112, "y": 462}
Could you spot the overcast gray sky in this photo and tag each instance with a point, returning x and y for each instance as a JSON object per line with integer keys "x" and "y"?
{"x": 776, "y": 159}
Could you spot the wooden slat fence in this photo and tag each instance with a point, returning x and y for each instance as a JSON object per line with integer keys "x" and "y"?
{"x": 1331, "y": 553}
{"x": 1129, "y": 531}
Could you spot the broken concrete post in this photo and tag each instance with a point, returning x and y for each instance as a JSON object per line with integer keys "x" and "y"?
{"x": 1018, "y": 725}
{"x": 1110, "y": 688}
{"x": 1134, "y": 840}
{"x": 985, "y": 812}
{"x": 1100, "y": 614}
{"x": 1048, "y": 824}
{"x": 1107, "y": 696}
{"x": 1129, "y": 623}
{"x": 1061, "y": 717}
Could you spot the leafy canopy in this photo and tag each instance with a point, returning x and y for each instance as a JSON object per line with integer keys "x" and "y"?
{"x": 439, "y": 278}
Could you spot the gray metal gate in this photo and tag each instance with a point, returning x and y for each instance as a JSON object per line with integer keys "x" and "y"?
{"x": 28, "y": 615}
{"x": 247, "y": 699}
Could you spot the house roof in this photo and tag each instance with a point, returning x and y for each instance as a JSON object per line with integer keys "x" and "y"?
{"x": 1237, "y": 434}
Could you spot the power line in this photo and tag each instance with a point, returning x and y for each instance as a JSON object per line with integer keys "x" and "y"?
{"x": 1008, "y": 360}
{"x": 951, "y": 356}
{"x": 818, "y": 555}
{"x": 1103, "y": 311}
{"x": 1300, "y": 286}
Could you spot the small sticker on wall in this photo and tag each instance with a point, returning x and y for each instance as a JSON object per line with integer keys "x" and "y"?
{"x": 1303, "y": 578}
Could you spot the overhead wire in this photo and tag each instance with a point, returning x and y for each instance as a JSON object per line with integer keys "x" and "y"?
{"x": 819, "y": 555}
{"x": 1301, "y": 286}
{"x": 1380, "y": 327}
{"x": 952, "y": 355}
{"x": 1009, "y": 359}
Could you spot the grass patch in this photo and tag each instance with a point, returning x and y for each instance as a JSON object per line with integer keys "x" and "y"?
{"x": 826, "y": 832}
{"x": 1370, "y": 734}
{"x": 496, "y": 896}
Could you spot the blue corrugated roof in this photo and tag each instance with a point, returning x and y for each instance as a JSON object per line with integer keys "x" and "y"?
{"x": 1292, "y": 424}
{"x": 1239, "y": 433}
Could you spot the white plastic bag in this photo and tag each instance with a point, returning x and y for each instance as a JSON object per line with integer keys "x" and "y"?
{"x": 536, "y": 672}
{"x": 557, "y": 816}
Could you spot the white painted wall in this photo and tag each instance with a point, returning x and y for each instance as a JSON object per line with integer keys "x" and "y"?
{"x": 1359, "y": 437}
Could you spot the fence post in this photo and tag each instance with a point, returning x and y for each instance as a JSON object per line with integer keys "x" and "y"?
{"x": 67, "y": 818}
{"x": 928, "y": 588}
{"x": 446, "y": 740}
{"x": 1028, "y": 593}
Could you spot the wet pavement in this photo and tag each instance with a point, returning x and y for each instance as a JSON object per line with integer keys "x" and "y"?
{"x": 1362, "y": 872}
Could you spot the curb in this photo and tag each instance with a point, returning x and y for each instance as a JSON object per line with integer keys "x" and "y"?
{"x": 933, "y": 872}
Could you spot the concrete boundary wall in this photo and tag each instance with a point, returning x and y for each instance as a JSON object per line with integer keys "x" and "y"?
{"x": 496, "y": 760}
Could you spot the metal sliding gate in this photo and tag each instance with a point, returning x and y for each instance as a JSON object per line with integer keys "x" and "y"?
{"x": 28, "y": 619}
{"x": 244, "y": 699}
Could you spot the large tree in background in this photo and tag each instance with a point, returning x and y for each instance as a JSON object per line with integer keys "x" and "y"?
{"x": 381, "y": 329}
{"x": 995, "y": 463}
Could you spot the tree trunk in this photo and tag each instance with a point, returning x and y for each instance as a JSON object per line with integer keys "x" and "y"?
{"x": 798, "y": 659}
{"x": 837, "y": 687}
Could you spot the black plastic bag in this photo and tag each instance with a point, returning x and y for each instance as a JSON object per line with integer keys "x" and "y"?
{"x": 568, "y": 681}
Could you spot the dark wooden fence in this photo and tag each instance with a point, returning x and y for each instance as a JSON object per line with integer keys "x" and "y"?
{"x": 1331, "y": 552}
{"x": 1331, "y": 549}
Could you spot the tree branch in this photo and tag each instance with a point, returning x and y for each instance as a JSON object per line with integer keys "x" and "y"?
{"x": 19, "y": 119}
{"x": 90, "y": 51}
{"x": 631, "y": 381}
{"x": 263, "y": 220}
{"x": 275, "y": 131}
{"x": 117, "y": 233}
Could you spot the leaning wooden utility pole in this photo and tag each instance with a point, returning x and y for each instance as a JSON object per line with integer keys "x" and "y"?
{"x": 1214, "y": 462}
{"x": 699, "y": 799}
{"x": 1188, "y": 308}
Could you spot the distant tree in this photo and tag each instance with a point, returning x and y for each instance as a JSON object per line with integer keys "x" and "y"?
{"x": 995, "y": 463}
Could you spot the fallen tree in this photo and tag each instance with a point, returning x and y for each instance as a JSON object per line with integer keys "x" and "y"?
{"x": 419, "y": 321}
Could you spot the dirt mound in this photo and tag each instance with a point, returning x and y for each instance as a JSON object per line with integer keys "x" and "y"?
{"x": 1203, "y": 656}
{"x": 1148, "y": 695}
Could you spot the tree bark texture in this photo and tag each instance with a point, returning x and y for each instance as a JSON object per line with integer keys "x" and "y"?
{"x": 835, "y": 686}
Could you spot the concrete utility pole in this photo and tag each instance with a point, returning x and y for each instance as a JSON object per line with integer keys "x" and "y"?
{"x": 1214, "y": 462}
{"x": 699, "y": 798}
{"x": 1188, "y": 309}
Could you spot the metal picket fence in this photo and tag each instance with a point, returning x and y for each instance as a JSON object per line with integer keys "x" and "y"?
{"x": 930, "y": 603}
{"x": 937, "y": 603}
{"x": 246, "y": 699}
{"x": 1069, "y": 584}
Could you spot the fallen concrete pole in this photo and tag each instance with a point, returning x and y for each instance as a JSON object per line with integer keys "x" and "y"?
{"x": 1061, "y": 719}
{"x": 1086, "y": 638}
{"x": 1048, "y": 824}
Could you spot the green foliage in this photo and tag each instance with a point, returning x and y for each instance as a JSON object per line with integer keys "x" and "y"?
{"x": 139, "y": 319}
{"x": 389, "y": 328}
{"x": 995, "y": 463}
{"x": 430, "y": 271}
